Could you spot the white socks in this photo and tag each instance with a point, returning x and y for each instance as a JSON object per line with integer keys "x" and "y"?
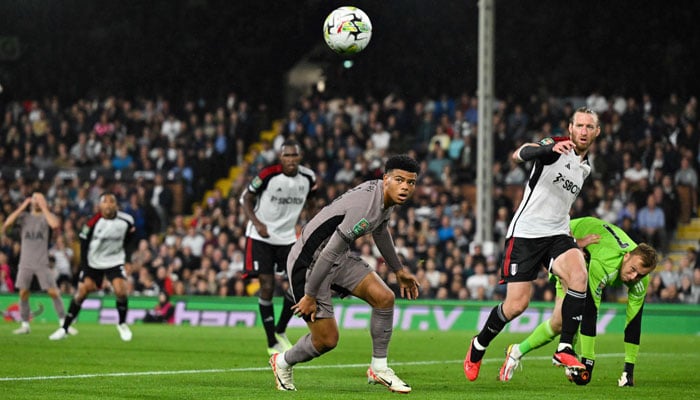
{"x": 378, "y": 364}
{"x": 281, "y": 362}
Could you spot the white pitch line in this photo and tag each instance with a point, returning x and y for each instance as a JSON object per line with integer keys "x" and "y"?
{"x": 254, "y": 369}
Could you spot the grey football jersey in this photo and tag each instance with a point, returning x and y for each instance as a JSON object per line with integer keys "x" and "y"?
{"x": 36, "y": 235}
{"x": 327, "y": 237}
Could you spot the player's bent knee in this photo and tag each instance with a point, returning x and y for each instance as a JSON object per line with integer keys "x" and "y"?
{"x": 385, "y": 300}
{"x": 578, "y": 280}
{"x": 514, "y": 308}
{"x": 555, "y": 325}
{"x": 521, "y": 307}
{"x": 328, "y": 346}
{"x": 326, "y": 342}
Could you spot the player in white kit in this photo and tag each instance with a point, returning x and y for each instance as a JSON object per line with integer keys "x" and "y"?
{"x": 538, "y": 236}
{"x": 273, "y": 201}
{"x": 103, "y": 241}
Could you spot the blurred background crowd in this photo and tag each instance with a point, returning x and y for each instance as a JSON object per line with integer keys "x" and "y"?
{"x": 157, "y": 101}
{"x": 163, "y": 160}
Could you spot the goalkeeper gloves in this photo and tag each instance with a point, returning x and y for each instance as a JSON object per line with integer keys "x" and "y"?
{"x": 627, "y": 378}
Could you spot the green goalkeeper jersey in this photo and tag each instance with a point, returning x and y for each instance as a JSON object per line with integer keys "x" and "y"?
{"x": 604, "y": 261}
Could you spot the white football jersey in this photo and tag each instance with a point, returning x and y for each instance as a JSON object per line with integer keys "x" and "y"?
{"x": 281, "y": 199}
{"x": 106, "y": 239}
{"x": 555, "y": 182}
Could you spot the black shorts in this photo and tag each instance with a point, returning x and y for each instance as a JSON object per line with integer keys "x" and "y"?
{"x": 261, "y": 258}
{"x": 97, "y": 275}
{"x": 523, "y": 258}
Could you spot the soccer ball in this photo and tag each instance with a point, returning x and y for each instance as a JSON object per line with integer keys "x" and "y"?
{"x": 347, "y": 30}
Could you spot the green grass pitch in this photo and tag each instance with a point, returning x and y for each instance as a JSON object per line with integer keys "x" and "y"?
{"x": 183, "y": 362}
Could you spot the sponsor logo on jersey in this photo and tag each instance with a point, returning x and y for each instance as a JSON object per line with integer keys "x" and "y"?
{"x": 37, "y": 235}
{"x": 287, "y": 200}
{"x": 546, "y": 141}
{"x": 566, "y": 184}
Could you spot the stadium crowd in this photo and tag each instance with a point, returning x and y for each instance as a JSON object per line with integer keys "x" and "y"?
{"x": 162, "y": 162}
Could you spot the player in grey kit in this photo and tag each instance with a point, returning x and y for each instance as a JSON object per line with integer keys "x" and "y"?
{"x": 320, "y": 263}
{"x": 35, "y": 232}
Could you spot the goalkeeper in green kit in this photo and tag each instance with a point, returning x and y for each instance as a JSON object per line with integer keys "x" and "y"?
{"x": 613, "y": 260}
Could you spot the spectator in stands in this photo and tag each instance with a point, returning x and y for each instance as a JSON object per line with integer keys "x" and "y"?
{"x": 104, "y": 126}
{"x": 630, "y": 212}
{"x": 139, "y": 215}
{"x": 380, "y": 137}
{"x": 685, "y": 290}
{"x": 6, "y": 283}
{"x": 194, "y": 240}
{"x": 144, "y": 120}
{"x": 636, "y": 172}
{"x": 687, "y": 176}
{"x": 669, "y": 275}
{"x": 623, "y": 192}
{"x": 694, "y": 297}
{"x": 478, "y": 284}
{"x": 161, "y": 198}
{"x": 544, "y": 289}
{"x": 670, "y": 204}
{"x": 518, "y": 122}
{"x": 62, "y": 256}
{"x": 146, "y": 285}
{"x": 516, "y": 175}
{"x": 347, "y": 173}
{"x": 656, "y": 286}
{"x": 122, "y": 160}
{"x": 651, "y": 222}
{"x": 608, "y": 208}
{"x": 438, "y": 163}
{"x": 435, "y": 278}
{"x": 164, "y": 312}
{"x": 640, "y": 193}
{"x": 368, "y": 255}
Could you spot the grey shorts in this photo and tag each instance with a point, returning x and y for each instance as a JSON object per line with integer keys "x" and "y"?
{"x": 43, "y": 275}
{"x": 342, "y": 279}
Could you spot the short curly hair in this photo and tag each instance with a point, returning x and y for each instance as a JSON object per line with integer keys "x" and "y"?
{"x": 402, "y": 162}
